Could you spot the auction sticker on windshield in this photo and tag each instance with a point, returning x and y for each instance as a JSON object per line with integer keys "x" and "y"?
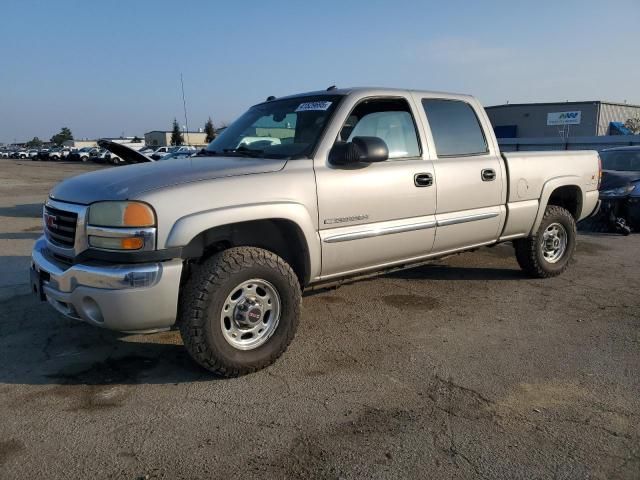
{"x": 308, "y": 106}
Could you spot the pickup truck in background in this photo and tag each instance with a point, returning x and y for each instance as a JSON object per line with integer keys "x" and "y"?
{"x": 362, "y": 180}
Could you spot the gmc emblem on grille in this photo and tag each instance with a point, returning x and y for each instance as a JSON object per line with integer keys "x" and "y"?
{"x": 50, "y": 220}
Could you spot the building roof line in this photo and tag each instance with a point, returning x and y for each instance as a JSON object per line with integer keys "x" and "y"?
{"x": 585, "y": 102}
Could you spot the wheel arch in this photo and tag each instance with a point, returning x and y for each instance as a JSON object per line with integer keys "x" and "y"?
{"x": 563, "y": 192}
{"x": 288, "y": 232}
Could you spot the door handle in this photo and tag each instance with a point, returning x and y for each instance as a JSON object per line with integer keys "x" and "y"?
{"x": 488, "y": 175}
{"x": 423, "y": 179}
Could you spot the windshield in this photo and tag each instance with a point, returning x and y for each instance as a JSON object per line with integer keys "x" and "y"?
{"x": 623, "y": 160}
{"x": 287, "y": 128}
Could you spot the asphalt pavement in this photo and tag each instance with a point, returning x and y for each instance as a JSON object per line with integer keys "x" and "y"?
{"x": 464, "y": 368}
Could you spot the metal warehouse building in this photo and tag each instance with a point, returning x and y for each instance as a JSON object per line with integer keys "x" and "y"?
{"x": 566, "y": 119}
{"x": 162, "y": 138}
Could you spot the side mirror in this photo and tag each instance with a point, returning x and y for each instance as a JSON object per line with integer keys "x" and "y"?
{"x": 359, "y": 150}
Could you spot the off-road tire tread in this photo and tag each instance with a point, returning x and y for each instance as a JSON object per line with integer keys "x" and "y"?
{"x": 213, "y": 274}
{"x": 527, "y": 248}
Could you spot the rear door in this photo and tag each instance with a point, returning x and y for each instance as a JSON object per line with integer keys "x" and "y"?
{"x": 469, "y": 172}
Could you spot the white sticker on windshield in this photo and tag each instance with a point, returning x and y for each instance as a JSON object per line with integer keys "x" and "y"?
{"x": 308, "y": 106}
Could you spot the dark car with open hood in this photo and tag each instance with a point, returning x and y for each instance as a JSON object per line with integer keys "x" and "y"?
{"x": 619, "y": 191}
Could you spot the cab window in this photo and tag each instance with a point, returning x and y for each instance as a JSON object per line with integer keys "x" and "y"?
{"x": 455, "y": 128}
{"x": 389, "y": 119}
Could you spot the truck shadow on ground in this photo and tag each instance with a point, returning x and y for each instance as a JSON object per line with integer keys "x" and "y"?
{"x": 38, "y": 346}
{"x": 449, "y": 272}
{"x": 25, "y": 210}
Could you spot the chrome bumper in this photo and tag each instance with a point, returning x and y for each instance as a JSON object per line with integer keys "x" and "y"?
{"x": 128, "y": 297}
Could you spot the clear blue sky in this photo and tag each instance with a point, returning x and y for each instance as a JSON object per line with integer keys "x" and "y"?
{"x": 107, "y": 67}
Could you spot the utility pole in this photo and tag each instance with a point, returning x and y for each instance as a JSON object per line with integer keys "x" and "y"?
{"x": 184, "y": 105}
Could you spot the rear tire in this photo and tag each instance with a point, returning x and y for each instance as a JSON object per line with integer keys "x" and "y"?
{"x": 547, "y": 254}
{"x": 214, "y": 318}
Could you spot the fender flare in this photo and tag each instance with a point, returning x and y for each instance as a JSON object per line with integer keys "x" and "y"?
{"x": 188, "y": 227}
{"x": 547, "y": 190}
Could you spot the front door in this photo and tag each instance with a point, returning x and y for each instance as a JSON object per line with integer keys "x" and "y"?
{"x": 382, "y": 213}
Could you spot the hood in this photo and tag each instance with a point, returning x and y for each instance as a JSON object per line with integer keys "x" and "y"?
{"x": 616, "y": 178}
{"x": 127, "y": 182}
{"x": 127, "y": 154}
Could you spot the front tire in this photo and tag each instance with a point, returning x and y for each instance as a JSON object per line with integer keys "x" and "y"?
{"x": 548, "y": 252}
{"x": 239, "y": 311}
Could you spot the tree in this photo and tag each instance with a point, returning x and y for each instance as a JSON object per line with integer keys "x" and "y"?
{"x": 209, "y": 130}
{"x": 176, "y": 134}
{"x": 35, "y": 142}
{"x": 633, "y": 124}
{"x": 62, "y": 136}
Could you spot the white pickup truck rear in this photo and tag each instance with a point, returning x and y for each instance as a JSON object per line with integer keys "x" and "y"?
{"x": 346, "y": 182}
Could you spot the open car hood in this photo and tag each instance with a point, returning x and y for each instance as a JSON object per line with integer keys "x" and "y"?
{"x": 127, "y": 154}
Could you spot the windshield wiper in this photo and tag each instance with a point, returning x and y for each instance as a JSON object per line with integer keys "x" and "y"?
{"x": 207, "y": 153}
{"x": 242, "y": 150}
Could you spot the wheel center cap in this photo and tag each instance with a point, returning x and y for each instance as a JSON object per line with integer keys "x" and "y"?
{"x": 248, "y": 313}
{"x": 254, "y": 315}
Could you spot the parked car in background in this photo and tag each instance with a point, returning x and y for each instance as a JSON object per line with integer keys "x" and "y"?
{"x": 32, "y": 154}
{"x": 102, "y": 155}
{"x": 222, "y": 246}
{"x": 177, "y": 154}
{"x": 81, "y": 154}
{"x": 124, "y": 153}
{"x": 162, "y": 151}
{"x": 4, "y": 153}
{"x": 148, "y": 151}
{"x": 59, "y": 153}
{"x": 43, "y": 154}
{"x": 619, "y": 192}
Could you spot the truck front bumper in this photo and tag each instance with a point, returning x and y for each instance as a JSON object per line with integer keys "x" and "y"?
{"x": 127, "y": 297}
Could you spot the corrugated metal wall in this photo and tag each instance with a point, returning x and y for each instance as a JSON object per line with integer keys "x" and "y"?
{"x": 531, "y": 120}
{"x": 615, "y": 113}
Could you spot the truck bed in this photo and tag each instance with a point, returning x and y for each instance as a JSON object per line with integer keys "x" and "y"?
{"x": 529, "y": 185}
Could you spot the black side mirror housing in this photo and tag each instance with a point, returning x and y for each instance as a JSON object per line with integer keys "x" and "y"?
{"x": 359, "y": 150}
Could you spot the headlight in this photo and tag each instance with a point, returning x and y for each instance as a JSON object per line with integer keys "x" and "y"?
{"x": 618, "y": 192}
{"x": 121, "y": 226}
{"x": 121, "y": 214}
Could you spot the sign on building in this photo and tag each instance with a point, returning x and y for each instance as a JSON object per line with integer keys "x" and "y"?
{"x": 564, "y": 118}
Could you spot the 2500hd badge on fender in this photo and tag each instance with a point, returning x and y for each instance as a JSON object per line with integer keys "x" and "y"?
{"x": 300, "y": 191}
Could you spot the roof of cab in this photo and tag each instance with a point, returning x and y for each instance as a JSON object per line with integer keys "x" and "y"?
{"x": 374, "y": 90}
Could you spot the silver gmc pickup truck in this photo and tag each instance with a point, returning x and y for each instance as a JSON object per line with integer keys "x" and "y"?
{"x": 299, "y": 192}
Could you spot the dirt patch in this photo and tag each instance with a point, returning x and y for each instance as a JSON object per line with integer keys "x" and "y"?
{"x": 91, "y": 398}
{"x": 9, "y": 449}
{"x": 331, "y": 363}
{"x": 333, "y": 453}
{"x": 100, "y": 386}
{"x": 112, "y": 371}
{"x": 37, "y": 228}
{"x": 459, "y": 401}
{"x": 411, "y": 302}
{"x": 529, "y": 396}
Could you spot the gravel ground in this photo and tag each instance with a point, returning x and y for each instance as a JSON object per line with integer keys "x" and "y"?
{"x": 461, "y": 369}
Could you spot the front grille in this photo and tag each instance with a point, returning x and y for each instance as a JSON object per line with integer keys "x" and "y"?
{"x": 60, "y": 226}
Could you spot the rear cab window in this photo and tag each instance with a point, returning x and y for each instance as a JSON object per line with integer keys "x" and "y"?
{"x": 455, "y": 128}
